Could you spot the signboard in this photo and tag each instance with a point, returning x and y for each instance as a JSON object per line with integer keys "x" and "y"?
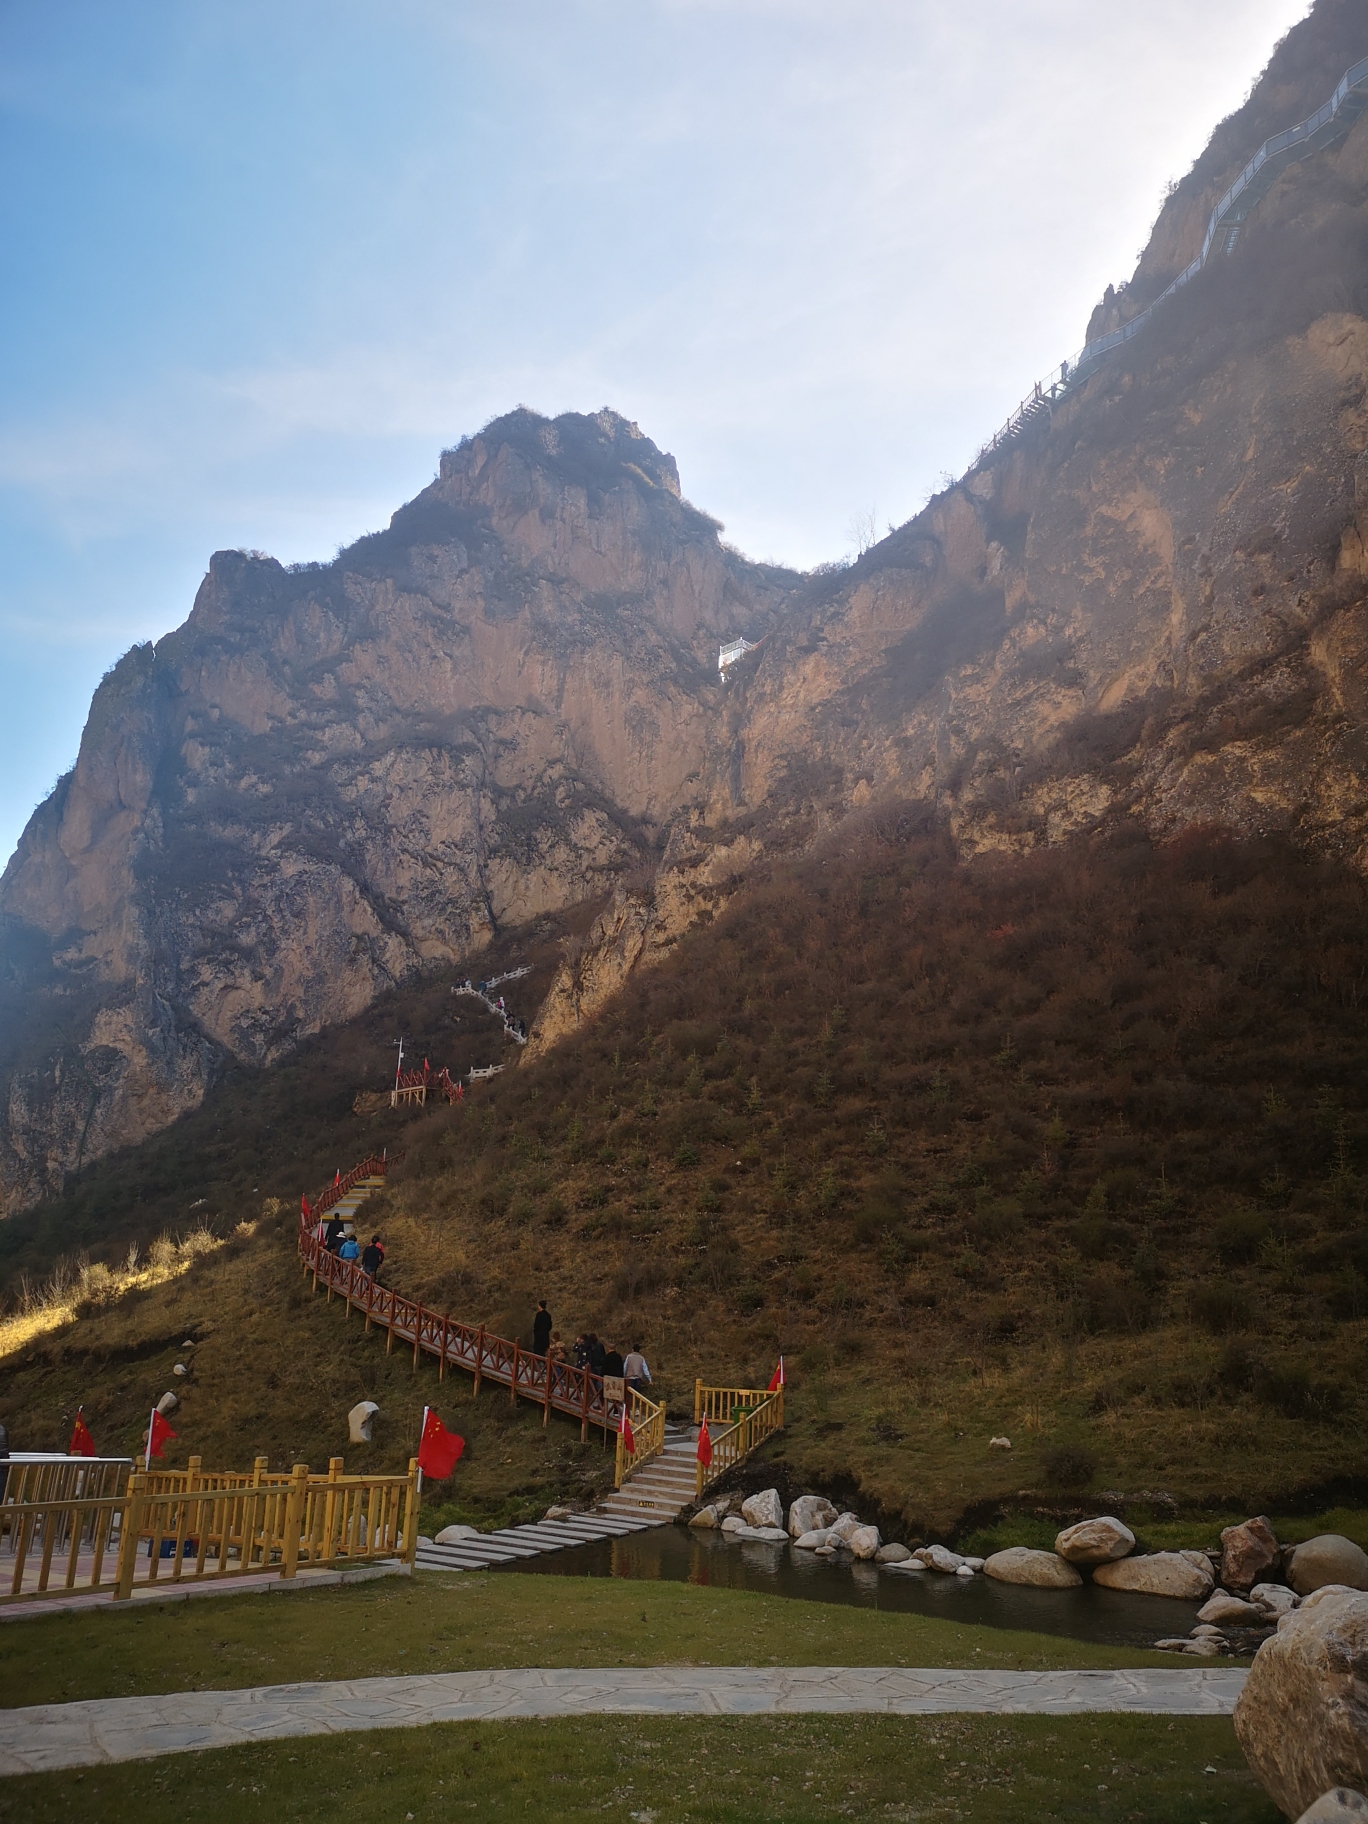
{"x": 614, "y": 1389}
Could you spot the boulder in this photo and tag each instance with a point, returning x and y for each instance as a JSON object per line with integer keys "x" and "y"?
{"x": 167, "y": 1403}
{"x": 555, "y": 1512}
{"x": 764, "y": 1509}
{"x": 810, "y": 1514}
{"x": 180, "y": 1369}
{"x": 771, "y": 1535}
{"x": 965, "y": 1570}
{"x": 975, "y": 1564}
{"x": 1206, "y": 1646}
{"x": 1041, "y": 1570}
{"x": 733, "y": 1524}
{"x": 999, "y": 1443}
{"x": 864, "y": 1541}
{"x": 705, "y": 1519}
{"x": 453, "y": 1535}
{"x": 813, "y": 1541}
{"x": 842, "y": 1527}
{"x": 1228, "y": 1609}
{"x": 1186, "y": 1575}
{"x": 1337, "y": 1807}
{"x": 1272, "y": 1600}
{"x": 940, "y": 1558}
{"x": 892, "y": 1553}
{"x": 1099, "y": 1541}
{"x": 1247, "y": 1551}
{"x": 1329, "y": 1558}
{"x": 359, "y": 1421}
{"x": 825, "y": 1551}
{"x": 1302, "y": 1718}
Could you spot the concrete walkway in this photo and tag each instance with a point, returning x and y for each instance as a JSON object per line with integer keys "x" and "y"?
{"x": 50, "y": 1736}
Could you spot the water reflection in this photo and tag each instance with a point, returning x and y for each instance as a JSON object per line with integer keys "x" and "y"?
{"x": 678, "y": 1554}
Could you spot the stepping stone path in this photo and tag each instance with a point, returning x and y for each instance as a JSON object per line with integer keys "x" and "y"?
{"x": 653, "y": 1496}
{"x": 44, "y": 1737}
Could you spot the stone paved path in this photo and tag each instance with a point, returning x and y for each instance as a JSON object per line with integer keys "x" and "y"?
{"x": 48, "y": 1736}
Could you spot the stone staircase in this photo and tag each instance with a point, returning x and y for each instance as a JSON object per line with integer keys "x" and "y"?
{"x": 660, "y": 1490}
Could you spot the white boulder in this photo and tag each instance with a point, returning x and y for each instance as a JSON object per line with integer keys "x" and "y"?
{"x": 892, "y": 1553}
{"x": 810, "y": 1514}
{"x": 965, "y": 1570}
{"x": 1230, "y": 1611}
{"x": 999, "y": 1443}
{"x": 842, "y": 1527}
{"x": 167, "y": 1403}
{"x": 359, "y": 1421}
{"x": 1099, "y": 1541}
{"x": 1329, "y": 1558}
{"x": 733, "y": 1524}
{"x": 1273, "y": 1600}
{"x": 864, "y": 1541}
{"x": 180, "y": 1369}
{"x": 1040, "y": 1570}
{"x": 1302, "y": 1718}
{"x": 705, "y": 1518}
{"x": 1337, "y": 1807}
{"x": 813, "y": 1541}
{"x": 764, "y": 1509}
{"x": 940, "y": 1558}
{"x": 772, "y": 1535}
{"x": 1186, "y": 1575}
{"x": 453, "y": 1535}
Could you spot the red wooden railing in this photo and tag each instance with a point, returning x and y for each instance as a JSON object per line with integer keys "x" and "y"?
{"x": 375, "y": 1166}
{"x": 554, "y": 1386}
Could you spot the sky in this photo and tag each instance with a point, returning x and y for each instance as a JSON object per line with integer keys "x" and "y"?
{"x": 263, "y": 262}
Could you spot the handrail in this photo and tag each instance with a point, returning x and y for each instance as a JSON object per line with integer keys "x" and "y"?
{"x": 376, "y": 1166}
{"x": 760, "y": 1418}
{"x": 1223, "y": 226}
{"x": 554, "y": 1386}
{"x": 648, "y": 1435}
{"x": 195, "y": 1524}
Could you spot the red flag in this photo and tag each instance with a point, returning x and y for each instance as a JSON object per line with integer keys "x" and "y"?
{"x": 704, "y": 1445}
{"x": 777, "y": 1378}
{"x": 627, "y": 1437}
{"x": 304, "y": 1209}
{"x": 337, "y": 1176}
{"x": 438, "y": 1449}
{"x": 158, "y": 1433}
{"x": 82, "y": 1444}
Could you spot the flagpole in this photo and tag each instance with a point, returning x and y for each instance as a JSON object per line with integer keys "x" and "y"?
{"x": 422, "y": 1431}
{"x": 147, "y": 1460}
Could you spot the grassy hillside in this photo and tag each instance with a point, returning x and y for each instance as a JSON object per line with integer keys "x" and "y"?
{"x": 1067, "y": 1148}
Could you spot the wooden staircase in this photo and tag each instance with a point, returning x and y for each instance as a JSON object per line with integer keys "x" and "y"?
{"x": 664, "y": 1486}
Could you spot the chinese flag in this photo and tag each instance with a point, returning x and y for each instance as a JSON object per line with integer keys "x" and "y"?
{"x": 82, "y": 1444}
{"x": 160, "y": 1433}
{"x": 704, "y": 1445}
{"x": 627, "y": 1436}
{"x": 304, "y": 1209}
{"x": 777, "y": 1378}
{"x": 438, "y": 1449}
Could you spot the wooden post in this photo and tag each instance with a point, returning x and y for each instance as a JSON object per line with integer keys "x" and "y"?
{"x": 417, "y": 1333}
{"x": 411, "y": 1514}
{"x": 389, "y": 1339}
{"x": 294, "y": 1519}
{"x": 370, "y": 1300}
{"x": 479, "y": 1358}
{"x": 698, "y": 1399}
{"x": 330, "y": 1508}
{"x": 135, "y": 1506}
{"x": 584, "y": 1408}
{"x": 441, "y": 1360}
{"x": 546, "y": 1401}
{"x": 513, "y": 1379}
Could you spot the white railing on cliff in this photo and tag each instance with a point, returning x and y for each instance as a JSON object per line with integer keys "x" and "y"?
{"x": 1313, "y": 134}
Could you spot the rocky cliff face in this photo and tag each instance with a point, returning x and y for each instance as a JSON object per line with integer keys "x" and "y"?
{"x": 1152, "y": 606}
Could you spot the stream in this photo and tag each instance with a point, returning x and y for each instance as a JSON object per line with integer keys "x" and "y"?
{"x": 678, "y": 1554}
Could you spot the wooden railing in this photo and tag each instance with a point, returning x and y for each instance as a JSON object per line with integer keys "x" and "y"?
{"x": 554, "y": 1386}
{"x": 739, "y": 1421}
{"x": 62, "y": 1479}
{"x": 647, "y": 1420}
{"x": 376, "y": 1166}
{"x": 177, "y": 1526}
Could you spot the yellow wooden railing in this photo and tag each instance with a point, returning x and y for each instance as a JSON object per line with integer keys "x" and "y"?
{"x": 739, "y": 1421}
{"x": 178, "y": 1526}
{"x": 648, "y": 1435}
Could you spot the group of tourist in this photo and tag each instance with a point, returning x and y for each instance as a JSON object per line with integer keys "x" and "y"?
{"x": 332, "y": 1232}
{"x": 589, "y": 1352}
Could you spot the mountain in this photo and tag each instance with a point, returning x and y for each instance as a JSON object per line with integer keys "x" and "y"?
{"x": 1147, "y": 608}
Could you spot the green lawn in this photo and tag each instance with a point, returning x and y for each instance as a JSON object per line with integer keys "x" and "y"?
{"x": 651, "y": 1770}
{"x": 439, "y": 1623}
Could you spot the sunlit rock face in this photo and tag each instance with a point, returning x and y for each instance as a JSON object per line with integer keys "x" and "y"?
{"x": 1150, "y": 606}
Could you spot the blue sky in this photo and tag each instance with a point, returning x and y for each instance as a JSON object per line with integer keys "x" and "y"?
{"x": 264, "y": 261}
